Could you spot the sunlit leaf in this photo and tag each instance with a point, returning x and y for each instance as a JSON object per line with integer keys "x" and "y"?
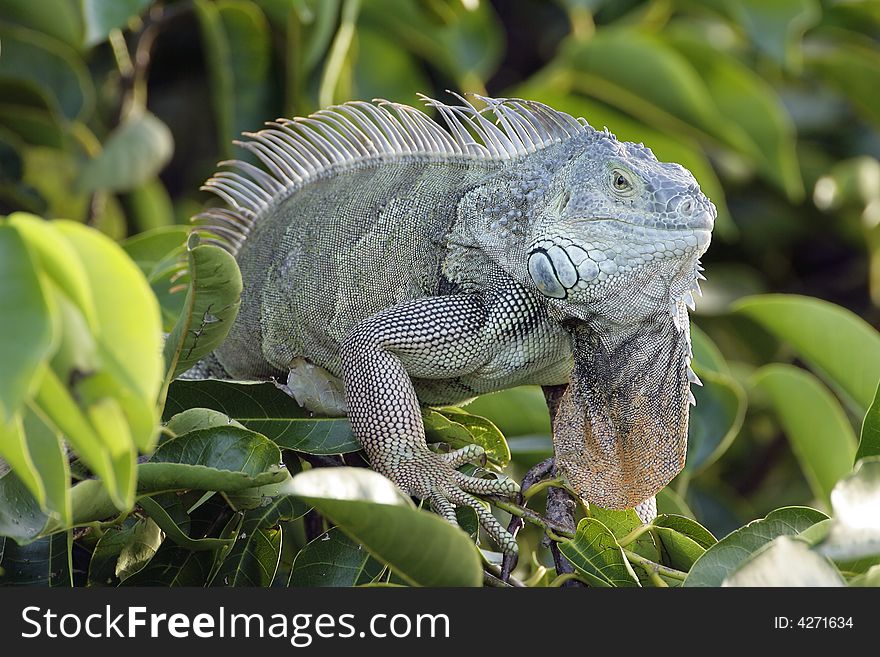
{"x": 596, "y": 556}
{"x": 374, "y": 513}
{"x": 728, "y": 554}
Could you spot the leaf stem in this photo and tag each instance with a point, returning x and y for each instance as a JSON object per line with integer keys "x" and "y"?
{"x": 533, "y": 490}
{"x": 633, "y": 535}
{"x": 652, "y": 567}
{"x": 559, "y": 580}
{"x": 554, "y": 531}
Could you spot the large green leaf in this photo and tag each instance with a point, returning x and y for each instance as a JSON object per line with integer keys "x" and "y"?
{"x": 374, "y": 513}
{"x": 855, "y": 528}
{"x": 266, "y": 409}
{"x": 817, "y": 428}
{"x": 777, "y": 27}
{"x": 733, "y": 550}
{"x": 716, "y": 419}
{"x": 333, "y": 559}
{"x": 869, "y": 441}
{"x": 597, "y": 557}
{"x": 27, "y": 326}
{"x": 838, "y": 344}
{"x": 133, "y": 154}
{"x": 210, "y": 308}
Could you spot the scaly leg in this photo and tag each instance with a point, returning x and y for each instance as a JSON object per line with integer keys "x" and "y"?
{"x": 432, "y": 338}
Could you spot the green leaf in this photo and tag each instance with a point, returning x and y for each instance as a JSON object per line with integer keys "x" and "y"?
{"x": 869, "y": 441}
{"x": 458, "y": 428}
{"x": 622, "y": 522}
{"x": 687, "y": 527}
{"x": 597, "y": 557}
{"x": 142, "y": 544}
{"x": 333, "y": 559}
{"x": 20, "y": 515}
{"x": 855, "y": 527}
{"x": 27, "y": 326}
{"x": 198, "y": 418}
{"x": 209, "y": 311}
{"x": 46, "y": 449}
{"x": 221, "y": 448}
{"x": 785, "y": 561}
{"x": 130, "y": 332}
{"x": 101, "y": 16}
{"x": 54, "y": 67}
{"x": 45, "y": 562}
{"x": 733, "y": 550}
{"x": 374, "y": 513}
{"x": 843, "y": 348}
{"x": 267, "y": 410}
{"x": 254, "y": 558}
{"x": 817, "y": 428}
{"x": 133, "y": 154}
{"x": 102, "y": 565}
{"x": 715, "y": 421}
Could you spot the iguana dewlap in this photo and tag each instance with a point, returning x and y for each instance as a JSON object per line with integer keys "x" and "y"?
{"x": 390, "y": 263}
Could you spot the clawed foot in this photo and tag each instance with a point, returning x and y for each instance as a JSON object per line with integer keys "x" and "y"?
{"x": 433, "y": 477}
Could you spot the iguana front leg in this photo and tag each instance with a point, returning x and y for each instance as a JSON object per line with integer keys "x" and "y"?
{"x": 431, "y": 338}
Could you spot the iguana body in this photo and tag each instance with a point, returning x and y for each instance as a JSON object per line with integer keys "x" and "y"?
{"x": 388, "y": 264}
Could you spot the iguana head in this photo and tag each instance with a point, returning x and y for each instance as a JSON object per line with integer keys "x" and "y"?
{"x": 613, "y": 209}
{"x": 615, "y": 248}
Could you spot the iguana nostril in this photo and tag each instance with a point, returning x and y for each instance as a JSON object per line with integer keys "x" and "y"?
{"x": 687, "y": 207}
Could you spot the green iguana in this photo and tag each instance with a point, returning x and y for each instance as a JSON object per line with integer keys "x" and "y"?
{"x": 389, "y": 263}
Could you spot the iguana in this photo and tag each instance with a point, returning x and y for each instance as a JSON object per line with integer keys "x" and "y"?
{"x": 389, "y": 263}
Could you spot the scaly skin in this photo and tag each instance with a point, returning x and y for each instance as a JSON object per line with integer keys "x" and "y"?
{"x": 388, "y": 265}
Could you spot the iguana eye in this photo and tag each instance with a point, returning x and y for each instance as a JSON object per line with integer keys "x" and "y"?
{"x": 620, "y": 181}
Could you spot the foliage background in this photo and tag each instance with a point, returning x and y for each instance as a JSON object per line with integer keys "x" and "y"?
{"x": 112, "y": 114}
